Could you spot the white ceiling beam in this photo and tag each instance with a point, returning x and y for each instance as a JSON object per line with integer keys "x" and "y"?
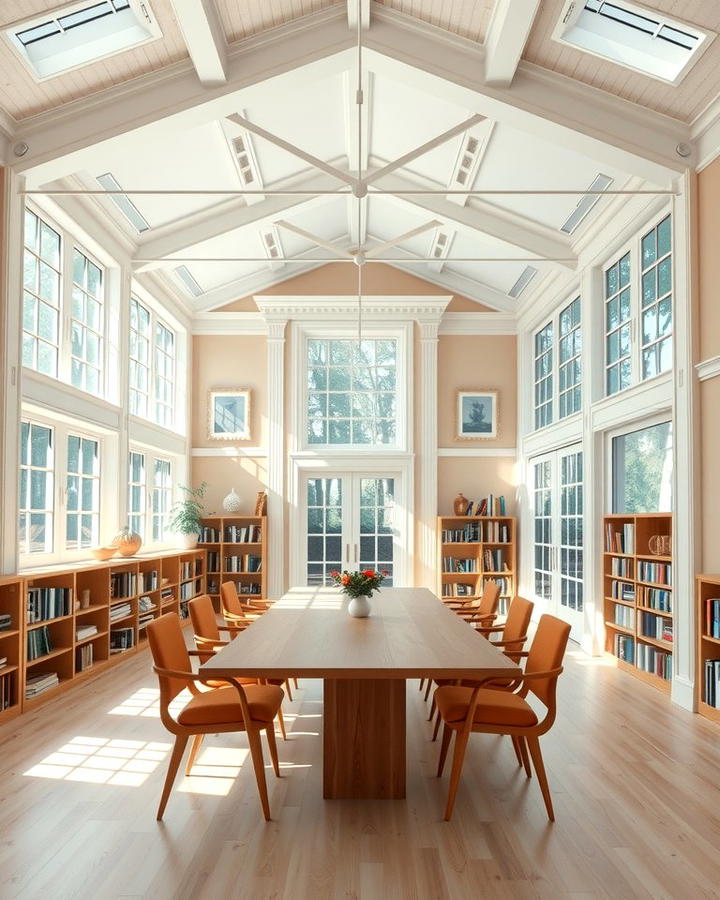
{"x": 507, "y": 35}
{"x": 204, "y": 38}
{"x": 357, "y": 214}
{"x": 540, "y": 103}
{"x": 355, "y": 8}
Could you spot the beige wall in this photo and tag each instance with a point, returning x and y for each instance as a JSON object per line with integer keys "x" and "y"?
{"x": 475, "y": 477}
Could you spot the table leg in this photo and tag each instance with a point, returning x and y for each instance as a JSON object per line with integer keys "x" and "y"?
{"x": 364, "y": 738}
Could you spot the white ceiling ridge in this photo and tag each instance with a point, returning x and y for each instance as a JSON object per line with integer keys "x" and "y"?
{"x": 507, "y": 34}
{"x": 361, "y": 8}
{"x": 552, "y": 106}
{"x": 204, "y": 38}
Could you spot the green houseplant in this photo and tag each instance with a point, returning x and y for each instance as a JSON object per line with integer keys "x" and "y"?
{"x": 186, "y": 514}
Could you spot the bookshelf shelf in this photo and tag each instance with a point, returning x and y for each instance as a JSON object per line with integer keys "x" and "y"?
{"x": 487, "y": 545}
{"x": 632, "y": 576}
{"x": 220, "y": 537}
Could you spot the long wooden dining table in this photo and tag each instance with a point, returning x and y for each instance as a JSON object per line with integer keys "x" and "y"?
{"x": 364, "y": 664}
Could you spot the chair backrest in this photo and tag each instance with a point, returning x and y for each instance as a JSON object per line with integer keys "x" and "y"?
{"x": 516, "y": 624}
{"x": 168, "y": 649}
{"x": 490, "y": 598}
{"x": 204, "y": 622}
{"x": 229, "y": 598}
{"x": 546, "y": 653}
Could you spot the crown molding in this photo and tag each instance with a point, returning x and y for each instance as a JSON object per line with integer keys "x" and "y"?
{"x": 477, "y": 323}
{"x": 423, "y": 309}
{"x": 708, "y": 368}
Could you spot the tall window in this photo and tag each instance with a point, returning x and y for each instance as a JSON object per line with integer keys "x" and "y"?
{"x": 618, "y": 366}
{"x": 543, "y": 543}
{"x": 544, "y": 376}
{"x": 352, "y": 392}
{"x": 657, "y": 300}
{"x": 86, "y": 364}
{"x": 41, "y": 297}
{"x": 570, "y": 372}
{"x": 82, "y": 527}
{"x": 642, "y": 470}
{"x": 152, "y": 366}
{"x": 137, "y": 493}
{"x": 36, "y": 506}
{"x": 161, "y": 498}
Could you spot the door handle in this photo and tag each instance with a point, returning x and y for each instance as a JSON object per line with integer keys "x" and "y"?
{"x": 355, "y": 552}
{"x": 347, "y": 552}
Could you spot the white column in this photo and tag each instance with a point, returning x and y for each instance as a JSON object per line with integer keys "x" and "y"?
{"x": 276, "y": 580}
{"x": 427, "y": 467}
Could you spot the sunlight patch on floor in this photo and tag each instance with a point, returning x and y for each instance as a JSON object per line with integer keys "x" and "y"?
{"x": 146, "y": 703}
{"x": 215, "y": 771}
{"x": 102, "y": 761}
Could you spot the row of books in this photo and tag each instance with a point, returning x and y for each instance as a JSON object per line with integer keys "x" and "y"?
{"x": 656, "y": 627}
{"x": 657, "y": 572}
{"x": 124, "y": 584}
{"x": 623, "y": 590}
{"x": 619, "y": 540}
{"x": 495, "y": 560}
{"x": 48, "y": 603}
{"x": 249, "y": 587}
{"x": 243, "y": 534}
{"x": 712, "y": 682}
{"x": 149, "y": 580}
{"x": 83, "y": 658}
{"x": 505, "y": 585}
{"x": 656, "y": 598}
{"x": 478, "y": 532}
{"x": 486, "y": 506}
{"x": 5, "y": 621}
{"x": 190, "y": 589}
{"x": 213, "y": 561}
{"x": 624, "y": 647}
{"x": 190, "y": 569}
{"x": 7, "y": 691}
{"x": 656, "y": 662}
{"x": 39, "y": 643}
{"x": 458, "y": 590}
{"x": 121, "y": 639}
{"x": 621, "y": 567}
{"x": 209, "y": 535}
{"x": 624, "y": 616}
{"x": 145, "y": 619}
{"x": 712, "y": 617}
{"x": 453, "y": 564}
{"x": 38, "y": 684}
{"x": 120, "y": 611}
{"x": 245, "y": 563}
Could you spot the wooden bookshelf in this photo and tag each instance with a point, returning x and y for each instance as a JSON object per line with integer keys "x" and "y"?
{"x": 638, "y": 596}
{"x": 121, "y": 594}
{"x": 11, "y": 644}
{"x": 485, "y": 544}
{"x": 222, "y": 550}
{"x": 708, "y": 646}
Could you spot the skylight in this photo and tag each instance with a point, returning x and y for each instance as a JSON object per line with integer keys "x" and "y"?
{"x": 123, "y": 203}
{"x": 80, "y": 33}
{"x": 633, "y": 36}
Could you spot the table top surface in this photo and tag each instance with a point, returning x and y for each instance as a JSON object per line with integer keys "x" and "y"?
{"x": 409, "y": 634}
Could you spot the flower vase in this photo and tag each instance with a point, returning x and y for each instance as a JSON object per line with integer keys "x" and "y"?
{"x": 359, "y": 607}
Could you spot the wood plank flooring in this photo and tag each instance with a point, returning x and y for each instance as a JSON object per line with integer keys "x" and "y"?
{"x": 635, "y": 782}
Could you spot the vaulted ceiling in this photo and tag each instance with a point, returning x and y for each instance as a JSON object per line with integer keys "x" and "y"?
{"x": 156, "y": 118}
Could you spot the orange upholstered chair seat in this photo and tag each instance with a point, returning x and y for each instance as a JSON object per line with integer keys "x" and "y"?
{"x": 493, "y": 708}
{"x": 222, "y": 706}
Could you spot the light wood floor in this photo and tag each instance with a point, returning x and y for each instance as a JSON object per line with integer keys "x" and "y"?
{"x": 636, "y": 786}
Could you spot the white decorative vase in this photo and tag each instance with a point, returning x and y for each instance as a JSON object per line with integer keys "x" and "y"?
{"x": 186, "y": 541}
{"x": 359, "y": 607}
{"x": 232, "y": 503}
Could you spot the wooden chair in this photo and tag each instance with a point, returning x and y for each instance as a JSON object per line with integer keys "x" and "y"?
{"x": 514, "y": 634}
{"x": 208, "y": 642}
{"x": 235, "y": 707}
{"x": 483, "y": 709}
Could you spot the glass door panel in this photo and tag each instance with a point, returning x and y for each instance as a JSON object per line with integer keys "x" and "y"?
{"x": 571, "y": 537}
{"x": 543, "y": 524}
{"x": 324, "y": 528}
{"x": 377, "y": 498}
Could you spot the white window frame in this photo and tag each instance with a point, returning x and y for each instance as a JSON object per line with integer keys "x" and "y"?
{"x": 576, "y": 357}
{"x": 553, "y": 321}
{"x": 633, "y": 247}
{"x": 156, "y": 320}
{"x": 152, "y": 455}
{"x": 101, "y": 367}
{"x": 625, "y": 427}
{"x": 142, "y": 514}
{"x": 81, "y": 435}
{"x": 161, "y": 517}
{"x": 30, "y": 468}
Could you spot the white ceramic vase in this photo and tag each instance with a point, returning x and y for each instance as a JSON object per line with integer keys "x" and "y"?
{"x": 359, "y": 607}
{"x": 232, "y": 503}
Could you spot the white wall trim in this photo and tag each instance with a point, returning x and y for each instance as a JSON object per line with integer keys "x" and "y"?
{"x": 708, "y": 368}
{"x": 225, "y": 452}
{"x": 472, "y": 323}
{"x": 504, "y": 452}
{"x": 345, "y": 309}
{"x": 427, "y": 449}
{"x": 276, "y": 324}
{"x": 240, "y": 323}
{"x": 705, "y": 133}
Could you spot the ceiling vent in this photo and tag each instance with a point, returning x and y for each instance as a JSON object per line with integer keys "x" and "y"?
{"x": 468, "y": 161}
{"x": 529, "y": 272}
{"x": 586, "y": 203}
{"x": 272, "y": 246}
{"x": 188, "y": 282}
{"x": 244, "y": 159}
{"x": 123, "y": 203}
{"x": 439, "y": 249}
{"x": 80, "y": 33}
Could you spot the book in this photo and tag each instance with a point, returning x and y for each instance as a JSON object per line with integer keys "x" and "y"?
{"x": 85, "y": 631}
{"x": 38, "y": 684}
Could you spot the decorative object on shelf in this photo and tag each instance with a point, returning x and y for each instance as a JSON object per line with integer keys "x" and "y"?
{"x": 359, "y": 586}
{"x": 186, "y": 515}
{"x": 261, "y": 503}
{"x": 85, "y": 598}
{"x": 660, "y": 545}
{"x": 232, "y": 503}
{"x": 126, "y": 542}
{"x": 229, "y": 414}
{"x": 460, "y": 505}
{"x": 476, "y": 415}
{"x": 103, "y": 554}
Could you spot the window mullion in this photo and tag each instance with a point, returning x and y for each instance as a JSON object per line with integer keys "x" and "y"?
{"x": 66, "y": 284}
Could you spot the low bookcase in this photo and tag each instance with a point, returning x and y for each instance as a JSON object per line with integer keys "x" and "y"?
{"x": 476, "y": 549}
{"x": 638, "y": 596}
{"x": 11, "y": 645}
{"x": 236, "y": 551}
{"x": 708, "y": 646}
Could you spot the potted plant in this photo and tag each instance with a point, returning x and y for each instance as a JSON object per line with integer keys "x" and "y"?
{"x": 185, "y": 516}
{"x": 359, "y": 586}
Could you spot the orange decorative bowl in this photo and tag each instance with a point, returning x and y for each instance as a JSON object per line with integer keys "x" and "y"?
{"x": 102, "y": 553}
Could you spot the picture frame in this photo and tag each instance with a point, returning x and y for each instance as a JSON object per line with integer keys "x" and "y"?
{"x": 229, "y": 414}
{"x": 477, "y": 415}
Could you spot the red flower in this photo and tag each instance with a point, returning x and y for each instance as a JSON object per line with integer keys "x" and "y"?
{"x": 334, "y": 574}
{"x": 368, "y": 573}
{"x": 345, "y": 579}
{"x": 385, "y": 573}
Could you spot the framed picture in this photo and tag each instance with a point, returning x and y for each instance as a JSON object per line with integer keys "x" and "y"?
{"x": 229, "y": 414}
{"x": 476, "y": 415}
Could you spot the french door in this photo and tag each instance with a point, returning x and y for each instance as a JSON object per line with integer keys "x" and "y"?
{"x": 351, "y": 523}
{"x": 557, "y": 495}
